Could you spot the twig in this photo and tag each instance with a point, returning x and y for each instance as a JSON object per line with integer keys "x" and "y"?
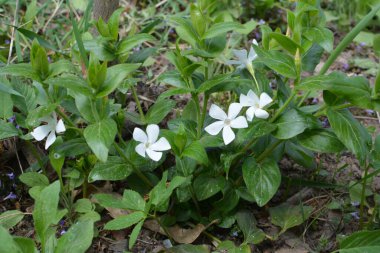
{"x": 161, "y": 3}
{"x": 13, "y": 31}
{"x": 58, "y": 5}
{"x": 18, "y": 158}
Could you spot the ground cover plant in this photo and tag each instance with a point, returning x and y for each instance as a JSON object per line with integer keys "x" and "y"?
{"x": 200, "y": 163}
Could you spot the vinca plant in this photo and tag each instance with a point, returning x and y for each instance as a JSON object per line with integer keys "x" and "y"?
{"x": 204, "y": 163}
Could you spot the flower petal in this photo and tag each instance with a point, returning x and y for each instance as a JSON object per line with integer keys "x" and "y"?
{"x": 155, "y": 156}
{"x": 217, "y": 113}
{"x": 139, "y": 135}
{"x": 50, "y": 139}
{"x": 152, "y": 131}
{"x": 161, "y": 145}
{"x": 233, "y": 62}
{"x": 251, "y": 113}
{"x": 245, "y": 100}
{"x": 260, "y": 113}
{"x": 265, "y": 99}
{"x": 253, "y": 97}
{"x": 228, "y": 135}
{"x": 252, "y": 55}
{"x": 60, "y": 127}
{"x": 215, "y": 127}
{"x": 41, "y": 132}
{"x": 239, "y": 122}
{"x": 241, "y": 54}
{"x": 140, "y": 149}
{"x": 233, "y": 110}
{"x": 254, "y": 42}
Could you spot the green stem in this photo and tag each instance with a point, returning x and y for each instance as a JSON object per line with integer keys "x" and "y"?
{"x": 136, "y": 98}
{"x": 203, "y": 115}
{"x": 362, "y": 198}
{"x": 321, "y": 111}
{"x": 199, "y": 117}
{"x": 284, "y": 106}
{"x": 269, "y": 150}
{"x": 136, "y": 170}
{"x": 252, "y": 72}
{"x": 349, "y": 38}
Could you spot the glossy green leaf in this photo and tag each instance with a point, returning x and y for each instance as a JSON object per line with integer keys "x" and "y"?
{"x": 215, "y": 80}
{"x": 247, "y": 224}
{"x": 207, "y": 186}
{"x": 60, "y": 67}
{"x": 262, "y": 180}
{"x": 125, "y": 221}
{"x": 287, "y": 216}
{"x": 285, "y": 42}
{"x": 77, "y": 239}
{"x": 360, "y": 242}
{"x": 74, "y": 83}
{"x": 321, "y": 140}
{"x": 221, "y": 28}
{"x": 127, "y": 44}
{"x": 159, "y": 111}
{"x": 322, "y": 36}
{"x": 173, "y": 78}
{"x": 133, "y": 200}
{"x": 113, "y": 169}
{"x": 8, "y": 219}
{"x": 185, "y": 30}
{"x": 300, "y": 155}
{"x": 99, "y": 137}
{"x": 350, "y": 132}
{"x": 292, "y": 123}
{"x": 197, "y": 152}
{"x": 134, "y": 234}
{"x": 7, "y": 130}
{"x": 21, "y": 69}
{"x": 255, "y": 129}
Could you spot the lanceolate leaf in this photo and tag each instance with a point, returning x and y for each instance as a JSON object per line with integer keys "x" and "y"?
{"x": 113, "y": 169}
{"x": 287, "y": 216}
{"x": 321, "y": 140}
{"x": 322, "y": 36}
{"x": 360, "y": 242}
{"x": 77, "y": 239}
{"x": 125, "y": 221}
{"x": 159, "y": 111}
{"x": 100, "y": 136}
{"x": 127, "y": 44}
{"x": 286, "y": 42}
{"x": 72, "y": 82}
{"x": 21, "y": 69}
{"x": 262, "y": 180}
{"x": 350, "y": 132}
{"x": 221, "y": 28}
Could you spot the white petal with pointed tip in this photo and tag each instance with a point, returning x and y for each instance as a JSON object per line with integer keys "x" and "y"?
{"x": 161, "y": 145}
{"x": 152, "y": 132}
{"x": 260, "y": 113}
{"x": 251, "y": 113}
{"x": 233, "y": 110}
{"x": 217, "y": 113}
{"x": 254, "y": 42}
{"x": 240, "y": 54}
{"x": 60, "y": 128}
{"x": 155, "y": 156}
{"x": 239, "y": 122}
{"x": 215, "y": 127}
{"x": 228, "y": 135}
{"x": 140, "y": 149}
{"x": 252, "y": 55}
{"x": 41, "y": 132}
{"x": 245, "y": 100}
{"x": 139, "y": 135}
{"x": 233, "y": 62}
{"x": 253, "y": 98}
{"x": 265, "y": 99}
{"x": 50, "y": 139}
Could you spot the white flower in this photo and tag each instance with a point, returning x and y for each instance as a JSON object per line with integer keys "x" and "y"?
{"x": 244, "y": 59}
{"x": 255, "y": 104}
{"x": 149, "y": 143}
{"x": 226, "y": 122}
{"x": 53, "y": 126}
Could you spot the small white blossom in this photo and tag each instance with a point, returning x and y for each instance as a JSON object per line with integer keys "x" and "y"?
{"x": 226, "y": 122}
{"x": 149, "y": 144}
{"x": 255, "y": 104}
{"x": 52, "y": 127}
{"x": 244, "y": 58}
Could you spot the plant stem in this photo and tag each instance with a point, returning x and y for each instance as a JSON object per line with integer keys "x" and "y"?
{"x": 196, "y": 102}
{"x": 348, "y": 39}
{"x": 337, "y": 107}
{"x": 136, "y": 170}
{"x": 268, "y": 150}
{"x": 203, "y": 115}
{"x": 283, "y": 107}
{"x": 136, "y": 98}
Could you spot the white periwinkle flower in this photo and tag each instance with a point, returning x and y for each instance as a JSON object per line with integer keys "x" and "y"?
{"x": 255, "y": 104}
{"x": 226, "y": 122}
{"x": 244, "y": 58}
{"x": 149, "y": 143}
{"x": 52, "y": 127}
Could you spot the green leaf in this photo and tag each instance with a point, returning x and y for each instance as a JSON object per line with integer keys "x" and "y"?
{"x": 173, "y": 78}
{"x": 350, "y": 132}
{"x": 322, "y": 36}
{"x": 100, "y": 136}
{"x": 229, "y": 246}
{"x": 110, "y": 200}
{"x": 21, "y": 69}
{"x": 286, "y": 42}
{"x": 279, "y": 62}
{"x": 215, "y": 80}
{"x": 7, "y": 244}
{"x": 207, "y": 186}
{"x": 71, "y": 82}
{"x": 300, "y": 155}
{"x": 222, "y": 28}
{"x": 83, "y": 206}
{"x": 188, "y": 248}
{"x": 196, "y": 151}
{"x": 115, "y": 76}
{"x": 113, "y": 169}
{"x": 125, "y": 221}
{"x": 6, "y": 105}
{"x": 292, "y": 123}
{"x": 262, "y": 180}
{"x": 25, "y": 244}
{"x": 32, "y": 35}
{"x": 197, "y": 18}
{"x": 32, "y": 179}
{"x": 159, "y": 110}
{"x": 83, "y": 104}
{"x": 360, "y": 242}
{"x": 256, "y": 129}
{"x": 45, "y": 210}
{"x": 355, "y": 89}
{"x": 133, "y": 200}
{"x": 185, "y": 30}
{"x": 60, "y": 67}
{"x": 113, "y": 23}
{"x": 287, "y": 216}
{"x": 127, "y": 44}
{"x": 8, "y": 219}
{"x": 247, "y": 224}
{"x": 134, "y": 234}
{"x": 6, "y": 88}
{"x": 321, "y": 140}
{"x": 7, "y": 130}
{"x": 77, "y": 239}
